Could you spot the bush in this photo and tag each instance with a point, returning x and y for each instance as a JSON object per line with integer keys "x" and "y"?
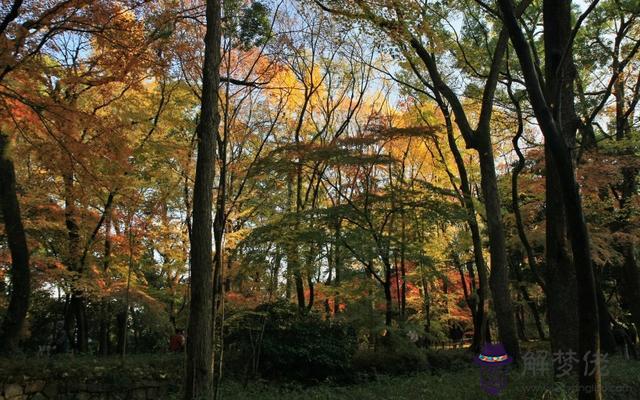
{"x": 389, "y": 362}
{"x": 451, "y": 359}
{"x": 394, "y": 355}
{"x": 291, "y": 346}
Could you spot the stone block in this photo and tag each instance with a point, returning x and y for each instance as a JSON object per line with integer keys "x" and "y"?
{"x": 51, "y": 390}
{"x": 12, "y": 391}
{"x": 34, "y": 386}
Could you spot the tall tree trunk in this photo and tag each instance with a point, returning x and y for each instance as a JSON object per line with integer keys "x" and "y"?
{"x": 561, "y": 290}
{"x": 199, "y": 368}
{"x": 520, "y": 322}
{"x": 590, "y": 386}
{"x": 293, "y": 258}
{"x": 559, "y": 78}
{"x": 469, "y": 298}
{"x": 76, "y": 310}
{"x": 105, "y": 312}
{"x": 388, "y": 304}
{"x": 479, "y": 334}
{"x": 499, "y": 277}
{"x": 311, "y": 292}
{"x": 338, "y": 268}
{"x": 426, "y": 302}
{"x": 403, "y": 269}
{"x": 20, "y": 275}
{"x": 121, "y": 331}
{"x": 480, "y": 140}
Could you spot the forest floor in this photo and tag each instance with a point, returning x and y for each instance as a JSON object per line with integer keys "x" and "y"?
{"x": 622, "y": 382}
{"x": 530, "y": 382}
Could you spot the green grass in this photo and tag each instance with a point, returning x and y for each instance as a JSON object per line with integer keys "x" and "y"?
{"x": 458, "y": 385}
{"x": 461, "y": 382}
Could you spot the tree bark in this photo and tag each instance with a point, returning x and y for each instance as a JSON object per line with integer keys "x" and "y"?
{"x": 105, "y": 312}
{"x": 479, "y": 337}
{"x": 199, "y": 368}
{"x": 338, "y": 267}
{"x": 560, "y": 276}
{"x": 499, "y": 276}
{"x": 20, "y": 274}
{"x": 590, "y": 386}
{"x": 388, "y": 307}
{"x": 76, "y": 310}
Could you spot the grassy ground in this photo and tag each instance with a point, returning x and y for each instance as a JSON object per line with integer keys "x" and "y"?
{"x": 460, "y": 382}
{"x": 621, "y": 383}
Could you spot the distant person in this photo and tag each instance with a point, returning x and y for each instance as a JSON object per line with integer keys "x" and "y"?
{"x": 177, "y": 341}
{"x": 61, "y": 343}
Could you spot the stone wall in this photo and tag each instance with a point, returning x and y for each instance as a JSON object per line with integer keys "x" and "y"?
{"x": 68, "y": 390}
{"x": 84, "y": 377}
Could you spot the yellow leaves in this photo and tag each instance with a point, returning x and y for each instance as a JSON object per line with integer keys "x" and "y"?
{"x": 284, "y": 83}
{"x": 233, "y": 238}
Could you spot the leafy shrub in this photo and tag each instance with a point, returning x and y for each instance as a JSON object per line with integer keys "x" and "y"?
{"x": 395, "y": 355}
{"x": 392, "y": 362}
{"x": 287, "y": 345}
{"x": 449, "y": 360}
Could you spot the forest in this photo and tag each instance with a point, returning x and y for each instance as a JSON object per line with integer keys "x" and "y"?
{"x": 320, "y": 199}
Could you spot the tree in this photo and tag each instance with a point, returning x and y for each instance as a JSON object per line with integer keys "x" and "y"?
{"x": 13, "y": 322}
{"x": 400, "y": 23}
{"x": 199, "y": 367}
{"x": 550, "y": 124}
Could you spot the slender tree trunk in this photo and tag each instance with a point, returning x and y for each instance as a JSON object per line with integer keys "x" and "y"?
{"x": 76, "y": 310}
{"x": 468, "y": 294}
{"x": 311, "y": 292}
{"x": 199, "y": 368}
{"x": 560, "y": 287}
{"x": 293, "y": 258}
{"x": 426, "y": 301}
{"x": 388, "y": 308}
{"x": 499, "y": 277}
{"x": 520, "y": 322}
{"x": 105, "y": 312}
{"x": 403, "y": 269}
{"x": 20, "y": 274}
{"x": 338, "y": 268}
{"x": 121, "y": 329}
{"x": 479, "y": 336}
